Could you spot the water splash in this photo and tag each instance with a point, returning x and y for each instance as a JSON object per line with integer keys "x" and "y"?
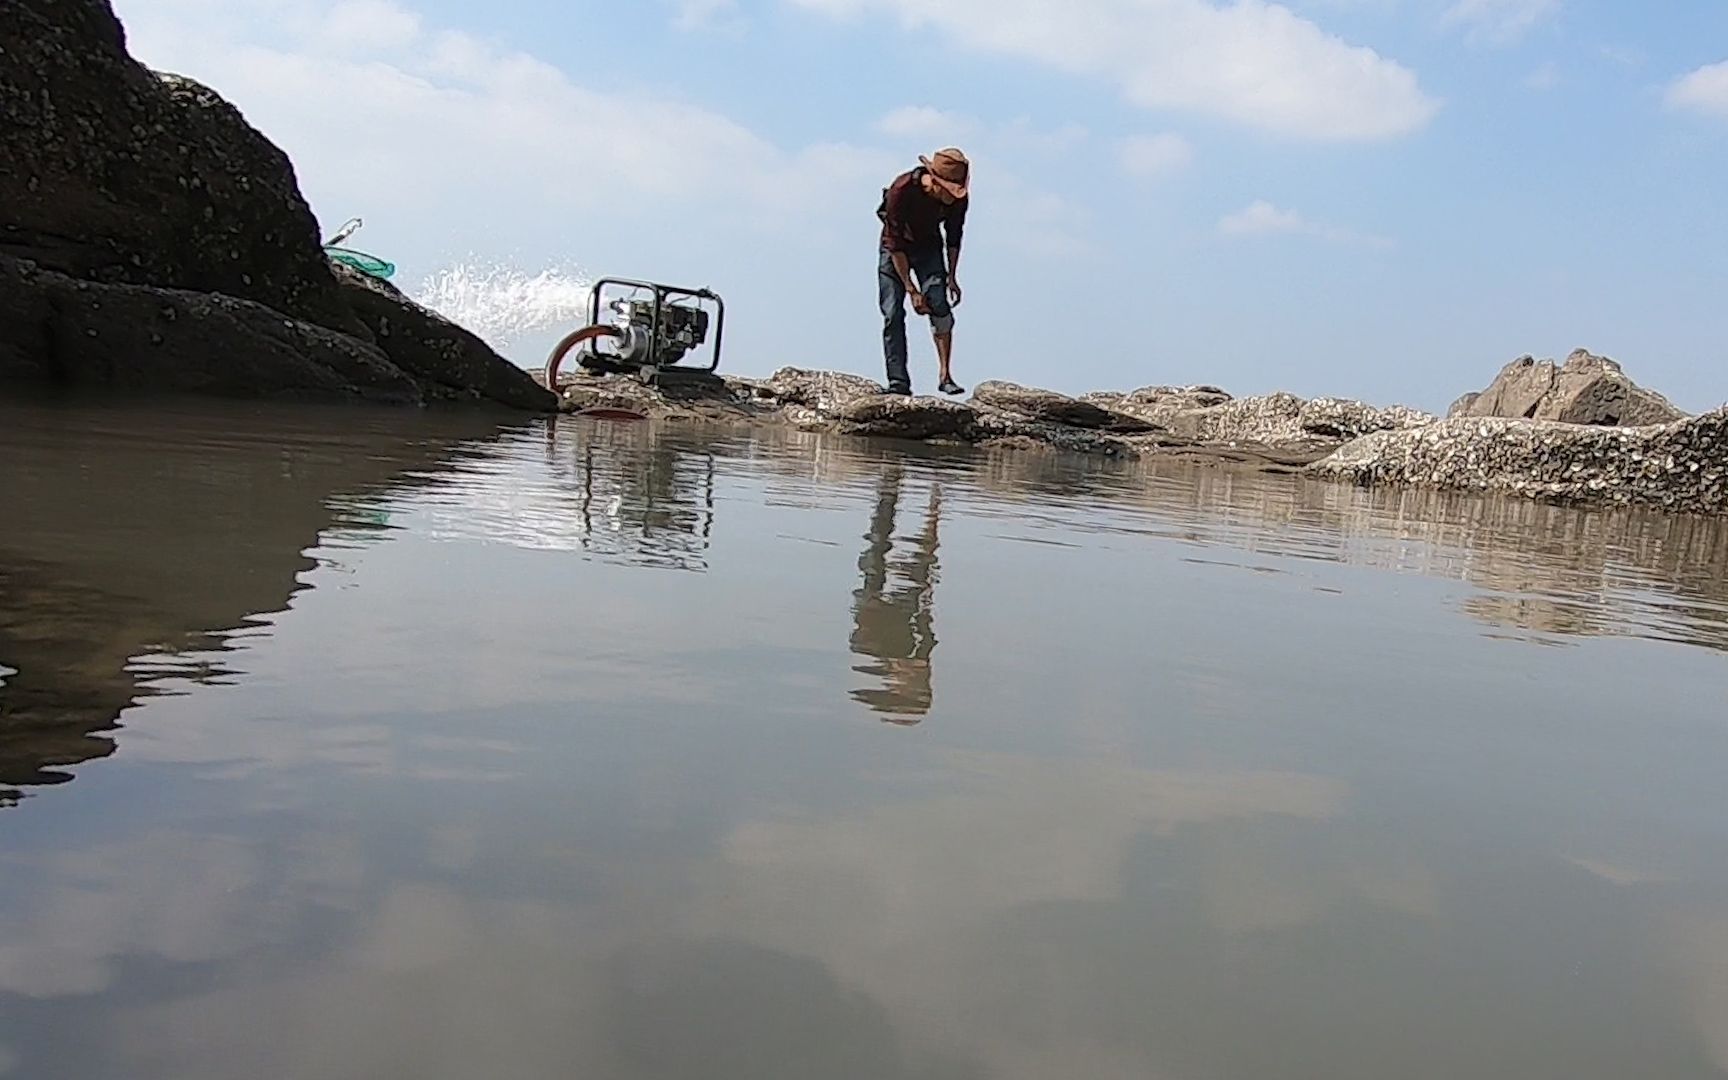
{"x": 502, "y": 304}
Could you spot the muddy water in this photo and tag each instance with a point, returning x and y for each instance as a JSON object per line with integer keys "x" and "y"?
{"x": 346, "y": 744}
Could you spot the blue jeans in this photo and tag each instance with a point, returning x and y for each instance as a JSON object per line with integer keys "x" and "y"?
{"x": 930, "y": 271}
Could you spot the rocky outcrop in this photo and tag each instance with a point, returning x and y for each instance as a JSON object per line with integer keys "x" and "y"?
{"x": 1054, "y": 408}
{"x": 54, "y": 328}
{"x": 448, "y": 362}
{"x": 1680, "y": 466}
{"x": 1587, "y": 389}
{"x": 924, "y": 419}
{"x": 1000, "y": 414}
{"x": 151, "y": 189}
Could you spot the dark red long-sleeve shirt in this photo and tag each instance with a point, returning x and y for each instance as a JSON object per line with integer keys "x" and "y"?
{"x": 914, "y": 221}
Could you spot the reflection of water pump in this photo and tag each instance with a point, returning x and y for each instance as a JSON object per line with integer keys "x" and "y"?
{"x": 654, "y": 327}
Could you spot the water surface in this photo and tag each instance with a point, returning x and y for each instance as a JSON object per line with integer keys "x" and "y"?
{"x": 341, "y": 743}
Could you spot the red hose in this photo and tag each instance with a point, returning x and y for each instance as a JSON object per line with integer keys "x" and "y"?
{"x": 571, "y": 340}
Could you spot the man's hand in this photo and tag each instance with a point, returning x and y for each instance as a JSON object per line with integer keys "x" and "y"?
{"x": 919, "y": 304}
{"x": 954, "y": 293}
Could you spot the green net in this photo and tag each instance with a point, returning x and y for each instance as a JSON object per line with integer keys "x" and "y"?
{"x": 359, "y": 260}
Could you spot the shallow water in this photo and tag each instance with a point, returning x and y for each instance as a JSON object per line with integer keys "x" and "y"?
{"x": 356, "y": 744}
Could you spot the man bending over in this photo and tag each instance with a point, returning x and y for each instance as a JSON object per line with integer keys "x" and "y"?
{"x": 920, "y": 210}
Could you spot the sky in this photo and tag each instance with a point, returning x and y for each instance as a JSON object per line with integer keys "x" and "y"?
{"x": 1379, "y": 199}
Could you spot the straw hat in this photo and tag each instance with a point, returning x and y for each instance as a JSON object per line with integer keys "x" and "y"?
{"x": 950, "y": 169}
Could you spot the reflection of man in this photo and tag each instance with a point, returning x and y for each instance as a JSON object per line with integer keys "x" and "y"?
{"x": 892, "y": 619}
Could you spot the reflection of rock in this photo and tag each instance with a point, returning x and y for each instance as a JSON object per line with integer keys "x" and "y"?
{"x": 1557, "y": 569}
{"x": 1586, "y": 390}
{"x": 893, "y": 619}
{"x": 154, "y": 238}
{"x": 54, "y": 711}
{"x": 211, "y": 535}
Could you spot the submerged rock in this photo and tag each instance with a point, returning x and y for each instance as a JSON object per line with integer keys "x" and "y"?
{"x": 125, "y": 180}
{"x": 1680, "y": 466}
{"x": 1587, "y": 389}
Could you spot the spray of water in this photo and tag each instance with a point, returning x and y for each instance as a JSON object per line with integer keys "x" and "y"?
{"x": 502, "y": 304}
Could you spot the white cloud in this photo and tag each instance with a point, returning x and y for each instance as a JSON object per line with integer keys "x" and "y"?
{"x": 369, "y": 25}
{"x": 1261, "y": 218}
{"x": 703, "y": 14}
{"x": 1499, "y": 22}
{"x": 448, "y": 123}
{"x": 1154, "y": 155}
{"x": 1704, "y": 90}
{"x": 1022, "y": 136}
{"x": 923, "y": 122}
{"x": 1253, "y": 62}
{"x": 1623, "y": 55}
{"x": 1546, "y": 77}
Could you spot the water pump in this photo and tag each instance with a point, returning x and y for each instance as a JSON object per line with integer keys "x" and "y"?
{"x": 653, "y": 328}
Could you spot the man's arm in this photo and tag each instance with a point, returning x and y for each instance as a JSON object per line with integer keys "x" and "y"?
{"x": 955, "y": 228}
{"x": 903, "y": 267}
{"x": 894, "y": 231}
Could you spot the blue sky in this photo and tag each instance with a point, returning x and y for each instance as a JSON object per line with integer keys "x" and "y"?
{"x": 1385, "y": 199}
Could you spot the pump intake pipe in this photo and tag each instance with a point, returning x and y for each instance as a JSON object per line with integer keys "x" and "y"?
{"x": 571, "y": 340}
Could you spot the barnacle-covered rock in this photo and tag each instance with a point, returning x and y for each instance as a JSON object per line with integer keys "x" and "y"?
{"x": 1587, "y": 389}
{"x": 1680, "y": 466}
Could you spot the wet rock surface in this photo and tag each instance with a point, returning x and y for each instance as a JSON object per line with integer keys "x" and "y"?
{"x": 134, "y": 183}
{"x": 1051, "y": 407}
{"x": 1586, "y": 389}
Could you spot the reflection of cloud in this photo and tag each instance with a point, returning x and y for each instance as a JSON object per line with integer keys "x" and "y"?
{"x": 1618, "y": 874}
{"x": 170, "y": 896}
{"x": 914, "y": 900}
{"x": 1700, "y": 948}
{"x": 434, "y": 982}
{"x": 1017, "y": 831}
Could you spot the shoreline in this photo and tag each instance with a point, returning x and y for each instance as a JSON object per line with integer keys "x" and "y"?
{"x": 1679, "y": 464}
